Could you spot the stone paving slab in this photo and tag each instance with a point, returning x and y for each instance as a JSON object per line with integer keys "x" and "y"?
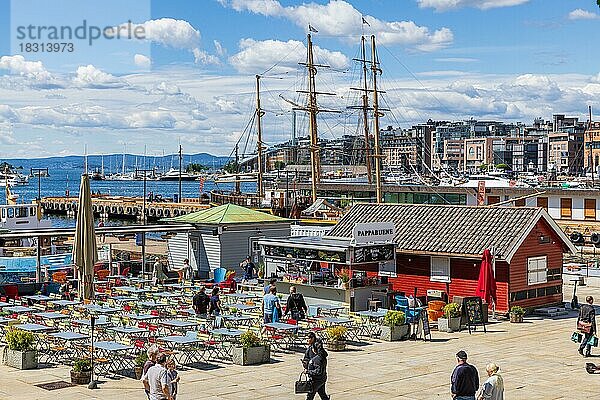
{"x": 537, "y": 360}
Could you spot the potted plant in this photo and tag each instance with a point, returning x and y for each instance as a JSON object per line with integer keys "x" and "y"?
{"x": 394, "y": 327}
{"x": 337, "y": 338}
{"x": 81, "y": 373}
{"x": 451, "y": 320}
{"x": 21, "y": 352}
{"x": 516, "y": 314}
{"x": 139, "y": 362}
{"x": 233, "y": 310}
{"x": 251, "y": 350}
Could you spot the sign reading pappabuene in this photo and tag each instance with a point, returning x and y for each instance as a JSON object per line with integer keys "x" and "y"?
{"x": 374, "y": 232}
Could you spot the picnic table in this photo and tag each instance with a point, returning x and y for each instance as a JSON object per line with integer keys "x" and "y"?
{"x": 141, "y": 317}
{"x": 65, "y": 303}
{"x": 112, "y": 357}
{"x": 152, "y": 304}
{"x": 95, "y": 308}
{"x": 51, "y": 315}
{"x": 187, "y": 349}
{"x": 178, "y": 325}
{"x": 129, "y": 331}
{"x": 326, "y": 308}
{"x": 38, "y": 297}
{"x": 372, "y": 326}
{"x": 243, "y": 307}
{"x": 130, "y": 289}
{"x": 238, "y": 319}
{"x": 229, "y": 337}
{"x": 63, "y": 347}
{"x": 3, "y": 304}
{"x": 123, "y": 299}
{"x": 287, "y": 333}
{"x": 33, "y": 327}
{"x": 18, "y": 309}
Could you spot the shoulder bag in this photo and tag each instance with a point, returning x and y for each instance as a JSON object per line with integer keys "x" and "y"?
{"x": 303, "y": 385}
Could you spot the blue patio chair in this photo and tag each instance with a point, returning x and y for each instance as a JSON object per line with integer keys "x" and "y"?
{"x": 220, "y": 274}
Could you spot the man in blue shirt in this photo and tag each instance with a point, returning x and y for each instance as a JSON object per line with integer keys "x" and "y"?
{"x": 270, "y": 305}
{"x": 271, "y": 283}
{"x": 465, "y": 379}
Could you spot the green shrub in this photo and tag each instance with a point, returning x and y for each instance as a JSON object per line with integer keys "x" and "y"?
{"x": 82, "y": 365}
{"x": 451, "y": 310}
{"x": 517, "y": 310}
{"x": 250, "y": 339}
{"x": 20, "y": 340}
{"x": 141, "y": 359}
{"x": 394, "y": 318}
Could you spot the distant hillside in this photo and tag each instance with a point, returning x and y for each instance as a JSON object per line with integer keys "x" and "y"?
{"x": 114, "y": 162}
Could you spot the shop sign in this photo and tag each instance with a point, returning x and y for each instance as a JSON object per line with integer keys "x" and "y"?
{"x": 374, "y": 232}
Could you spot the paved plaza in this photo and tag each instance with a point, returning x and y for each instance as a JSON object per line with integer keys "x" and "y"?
{"x": 537, "y": 360}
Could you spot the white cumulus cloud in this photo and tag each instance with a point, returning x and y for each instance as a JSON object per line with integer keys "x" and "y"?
{"x": 171, "y": 32}
{"x": 256, "y": 56}
{"x": 90, "y": 76}
{"x": 202, "y": 57}
{"x": 445, "y": 5}
{"x": 19, "y": 66}
{"x": 151, "y": 119}
{"x": 339, "y": 18}
{"x": 142, "y": 61}
{"x": 582, "y": 14}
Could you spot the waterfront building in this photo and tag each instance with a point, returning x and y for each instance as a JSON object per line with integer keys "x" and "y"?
{"x": 439, "y": 247}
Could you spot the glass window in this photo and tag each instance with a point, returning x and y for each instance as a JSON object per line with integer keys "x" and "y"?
{"x": 440, "y": 269}
{"x": 537, "y": 270}
{"x": 11, "y": 212}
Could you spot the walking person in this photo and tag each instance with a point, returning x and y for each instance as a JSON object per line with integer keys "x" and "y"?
{"x": 493, "y": 387}
{"x": 200, "y": 303}
{"x": 465, "y": 379}
{"x": 188, "y": 272}
{"x": 586, "y": 323}
{"x": 156, "y": 380}
{"x": 271, "y": 306}
{"x": 315, "y": 364}
{"x": 158, "y": 273}
{"x": 248, "y": 267}
{"x": 172, "y": 377}
{"x": 152, "y": 353}
{"x": 296, "y": 306}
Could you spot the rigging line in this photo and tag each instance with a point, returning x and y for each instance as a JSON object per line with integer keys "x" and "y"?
{"x": 286, "y": 56}
{"x": 420, "y": 83}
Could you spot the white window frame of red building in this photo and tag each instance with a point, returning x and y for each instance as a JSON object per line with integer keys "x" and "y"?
{"x": 445, "y": 269}
{"x": 537, "y": 268}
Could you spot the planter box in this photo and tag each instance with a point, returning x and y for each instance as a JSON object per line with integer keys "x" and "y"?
{"x": 81, "y": 378}
{"x": 336, "y": 345}
{"x": 449, "y": 325}
{"x": 251, "y": 355}
{"x": 516, "y": 318}
{"x": 21, "y": 359}
{"x": 138, "y": 372}
{"x": 394, "y": 333}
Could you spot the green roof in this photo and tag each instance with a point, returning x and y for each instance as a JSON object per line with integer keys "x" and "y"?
{"x": 226, "y": 214}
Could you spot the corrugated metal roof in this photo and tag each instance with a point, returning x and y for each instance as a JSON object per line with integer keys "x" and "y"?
{"x": 226, "y": 214}
{"x": 447, "y": 229}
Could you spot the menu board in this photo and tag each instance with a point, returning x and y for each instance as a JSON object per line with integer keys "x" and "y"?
{"x": 373, "y": 253}
{"x": 472, "y": 308}
{"x": 425, "y": 324}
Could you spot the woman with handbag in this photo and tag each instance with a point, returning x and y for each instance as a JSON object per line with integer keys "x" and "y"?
{"x": 315, "y": 364}
{"x": 296, "y": 306}
{"x": 586, "y": 324}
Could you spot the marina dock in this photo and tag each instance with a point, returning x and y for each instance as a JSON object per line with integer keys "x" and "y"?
{"x": 121, "y": 207}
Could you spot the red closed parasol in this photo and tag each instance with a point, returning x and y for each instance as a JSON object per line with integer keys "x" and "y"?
{"x": 486, "y": 284}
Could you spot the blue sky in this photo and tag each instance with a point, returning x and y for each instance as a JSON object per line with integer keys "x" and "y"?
{"x": 192, "y": 79}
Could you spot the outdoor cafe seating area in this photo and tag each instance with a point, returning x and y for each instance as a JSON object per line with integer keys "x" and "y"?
{"x": 130, "y": 314}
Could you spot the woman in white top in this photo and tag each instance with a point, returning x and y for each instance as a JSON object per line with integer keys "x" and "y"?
{"x": 493, "y": 387}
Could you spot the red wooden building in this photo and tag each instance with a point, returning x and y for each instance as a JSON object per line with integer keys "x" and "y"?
{"x": 439, "y": 247}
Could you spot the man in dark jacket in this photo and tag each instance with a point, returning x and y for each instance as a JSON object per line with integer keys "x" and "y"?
{"x": 465, "y": 379}
{"x": 587, "y": 314}
{"x": 200, "y": 302}
{"x": 315, "y": 363}
{"x": 296, "y": 306}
